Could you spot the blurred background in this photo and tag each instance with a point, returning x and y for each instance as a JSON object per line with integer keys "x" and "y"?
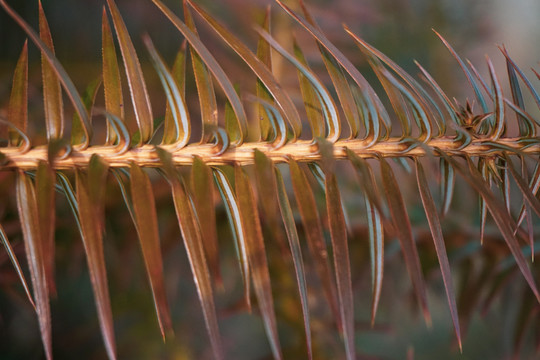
{"x": 399, "y": 28}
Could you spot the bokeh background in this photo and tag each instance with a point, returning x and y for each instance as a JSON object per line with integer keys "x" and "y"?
{"x": 399, "y": 28}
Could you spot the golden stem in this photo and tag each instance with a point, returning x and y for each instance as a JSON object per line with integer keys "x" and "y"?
{"x": 301, "y": 150}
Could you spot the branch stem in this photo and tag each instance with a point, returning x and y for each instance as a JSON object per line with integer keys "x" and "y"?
{"x": 301, "y": 150}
